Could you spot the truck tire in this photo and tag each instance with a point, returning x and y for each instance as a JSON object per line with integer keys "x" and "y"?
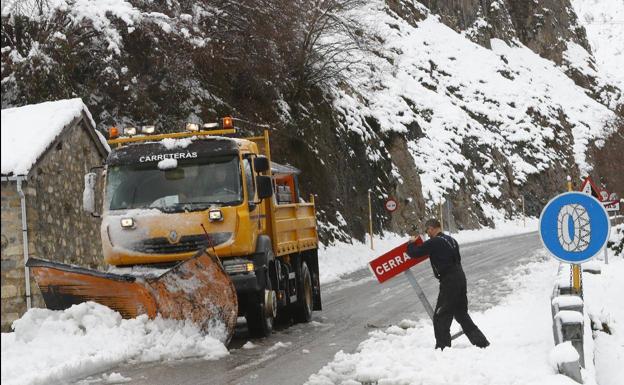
{"x": 303, "y": 310}
{"x": 261, "y": 315}
{"x": 262, "y": 308}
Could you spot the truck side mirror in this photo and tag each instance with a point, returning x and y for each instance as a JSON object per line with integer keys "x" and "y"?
{"x": 261, "y": 163}
{"x": 264, "y": 186}
{"x": 88, "y": 194}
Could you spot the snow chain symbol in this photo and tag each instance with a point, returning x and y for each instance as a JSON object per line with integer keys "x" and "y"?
{"x": 573, "y": 229}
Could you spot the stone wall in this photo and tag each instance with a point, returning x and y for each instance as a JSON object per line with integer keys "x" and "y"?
{"x": 62, "y": 231}
{"x": 58, "y": 229}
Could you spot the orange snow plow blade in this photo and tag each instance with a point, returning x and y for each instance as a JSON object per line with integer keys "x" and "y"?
{"x": 197, "y": 289}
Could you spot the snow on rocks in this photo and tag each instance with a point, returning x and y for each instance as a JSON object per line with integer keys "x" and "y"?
{"x": 59, "y": 346}
{"x": 520, "y": 330}
{"x": 460, "y": 94}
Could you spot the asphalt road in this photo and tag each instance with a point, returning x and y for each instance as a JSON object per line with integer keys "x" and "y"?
{"x": 352, "y": 308}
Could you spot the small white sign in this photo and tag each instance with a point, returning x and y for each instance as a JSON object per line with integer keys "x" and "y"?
{"x": 611, "y": 205}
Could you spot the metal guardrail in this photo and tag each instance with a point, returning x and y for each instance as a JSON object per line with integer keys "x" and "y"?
{"x": 565, "y": 330}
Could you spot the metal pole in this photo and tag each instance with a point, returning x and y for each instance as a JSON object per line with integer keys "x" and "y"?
{"x": 448, "y": 215}
{"x": 370, "y": 219}
{"x": 523, "y": 213}
{"x": 24, "y": 240}
{"x": 606, "y": 254}
{"x": 440, "y": 215}
{"x": 576, "y": 269}
{"x": 423, "y": 298}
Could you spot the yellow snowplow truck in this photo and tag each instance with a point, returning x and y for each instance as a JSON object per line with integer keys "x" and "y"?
{"x": 198, "y": 226}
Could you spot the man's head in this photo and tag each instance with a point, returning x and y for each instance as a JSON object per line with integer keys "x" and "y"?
{"x": 433, "y": 227}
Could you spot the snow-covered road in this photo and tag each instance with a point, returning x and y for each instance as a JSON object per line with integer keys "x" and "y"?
{"x": 353, "y": 307}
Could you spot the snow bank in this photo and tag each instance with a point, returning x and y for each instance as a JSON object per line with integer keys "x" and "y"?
{"x": 58, "y": 346}
{"x": 603, "y": 302}
{"x": 28, "y": 131}
{"x": 343, "y": 258}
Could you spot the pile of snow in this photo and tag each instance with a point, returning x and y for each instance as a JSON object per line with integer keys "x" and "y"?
{"x": 343, "y": 258}
{"x": 604, "y": 23}
{"x": 519, "y": 329}
{"x": 28, "y": 131}
{"x": 502, "y": 102}
{"x": 603, "y": 302}
{"x": 58, "y": 346}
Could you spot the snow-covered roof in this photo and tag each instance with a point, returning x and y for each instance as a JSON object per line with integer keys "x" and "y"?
{"x": 29, "y": 130}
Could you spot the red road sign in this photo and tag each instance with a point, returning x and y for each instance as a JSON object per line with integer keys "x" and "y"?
{"x": 394, "y": 262}
{"x": 391, "y": 205}
{"x": 590, "y": 188}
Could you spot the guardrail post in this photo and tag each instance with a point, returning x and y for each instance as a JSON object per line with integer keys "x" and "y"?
{"x": 567, "y": 315}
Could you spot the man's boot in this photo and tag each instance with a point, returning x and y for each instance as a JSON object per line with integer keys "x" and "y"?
{"x": 476, "y": 337}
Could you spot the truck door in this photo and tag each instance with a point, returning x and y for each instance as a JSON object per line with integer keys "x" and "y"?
{"x": 254, "y": 207}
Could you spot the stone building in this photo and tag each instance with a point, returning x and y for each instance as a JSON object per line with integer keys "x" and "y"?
{"x": 46, "y": 150}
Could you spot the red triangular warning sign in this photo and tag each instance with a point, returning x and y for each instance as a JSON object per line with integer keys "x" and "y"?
{"x": 588, "y": 187}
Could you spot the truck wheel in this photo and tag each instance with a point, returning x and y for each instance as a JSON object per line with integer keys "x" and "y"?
{"x": 261, "y": 316}
{"x": 303, "y": 311}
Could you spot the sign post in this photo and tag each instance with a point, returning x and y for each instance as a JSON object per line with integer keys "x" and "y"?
{"x": 370, "y": 219}
{"x": 397, "y": 261}
{"x": 574, "y": 227}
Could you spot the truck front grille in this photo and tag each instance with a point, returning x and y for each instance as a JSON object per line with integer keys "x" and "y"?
{"x": 187, "y": 243}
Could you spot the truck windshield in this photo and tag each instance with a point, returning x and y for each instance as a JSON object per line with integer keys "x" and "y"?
{"x": 186, "y": 187}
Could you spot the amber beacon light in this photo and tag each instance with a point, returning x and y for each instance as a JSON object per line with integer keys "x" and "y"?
{"x": 228, "y": 122}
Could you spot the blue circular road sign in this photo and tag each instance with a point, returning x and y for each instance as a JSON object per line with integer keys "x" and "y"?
{"x": 574, "y": 227}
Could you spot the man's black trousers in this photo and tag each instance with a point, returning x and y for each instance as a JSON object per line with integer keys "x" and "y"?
{"x": 453, "y": 303}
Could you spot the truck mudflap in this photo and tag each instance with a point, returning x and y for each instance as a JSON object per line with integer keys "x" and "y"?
{"x": 197, "y": 289}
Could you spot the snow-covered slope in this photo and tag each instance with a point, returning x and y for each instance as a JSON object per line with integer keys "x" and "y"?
{"x": 604, "y": 22}
{"x": 466, "y": 103}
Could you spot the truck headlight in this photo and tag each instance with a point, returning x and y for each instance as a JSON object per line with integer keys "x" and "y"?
{"x": 215, "y": 215}
{"x": 127, "y": 222}
{"x": 239, "y": 267}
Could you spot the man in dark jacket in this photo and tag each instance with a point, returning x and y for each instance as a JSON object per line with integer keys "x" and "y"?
{"x": 443, "y": 252}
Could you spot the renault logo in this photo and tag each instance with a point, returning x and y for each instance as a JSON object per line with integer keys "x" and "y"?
{"x": 173, "y": 236}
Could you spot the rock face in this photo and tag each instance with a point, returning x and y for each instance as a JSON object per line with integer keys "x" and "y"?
{"x": 421, "y": 114}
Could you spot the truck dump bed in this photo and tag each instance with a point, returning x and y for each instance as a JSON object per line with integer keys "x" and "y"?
{"x": 291, "y": 221}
